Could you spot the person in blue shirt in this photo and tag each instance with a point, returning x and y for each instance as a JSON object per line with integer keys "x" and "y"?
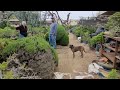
{"x": 53, "y": 33}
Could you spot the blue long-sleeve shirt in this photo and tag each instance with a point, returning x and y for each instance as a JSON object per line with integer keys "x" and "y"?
{"x": 53, "y": 29}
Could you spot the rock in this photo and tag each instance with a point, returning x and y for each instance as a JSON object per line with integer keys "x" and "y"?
{"x": 37, "y": 65}
{"x": 85, "y": 77}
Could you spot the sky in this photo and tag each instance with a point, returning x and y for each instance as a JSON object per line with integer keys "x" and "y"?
{"x": 77, "y": 14}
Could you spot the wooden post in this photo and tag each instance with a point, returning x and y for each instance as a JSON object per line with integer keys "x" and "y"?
{"x": 116, "y": 51}
{"x": 101, "y": 49}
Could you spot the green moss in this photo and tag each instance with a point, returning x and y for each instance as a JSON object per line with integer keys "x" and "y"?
{"x": 3, "y": 66}
{"x": 8, "y": 75}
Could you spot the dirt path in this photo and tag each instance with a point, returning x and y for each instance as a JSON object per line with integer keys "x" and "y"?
{"x": 66, "y": 62}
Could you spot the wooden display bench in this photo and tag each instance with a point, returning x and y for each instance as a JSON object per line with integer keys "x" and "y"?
{"x": 112, "y": 56}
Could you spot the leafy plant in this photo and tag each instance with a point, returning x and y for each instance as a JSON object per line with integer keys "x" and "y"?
{"x": 3, "y": 66}
{"x": 65, "y": 40}
{"x": 96, "y": 39}
{"x": 113, "y": 23}
{"x": 7, "y": 32}
{"x": 3, "y": 24}
{"x": 30, "y": 45}
{"x": 8, "y": 75}
{"x": 86, "y": 37}
{"x": 113, "y": 74}
{"x": 80, "y": 30}
{"x": 60, "y": 32}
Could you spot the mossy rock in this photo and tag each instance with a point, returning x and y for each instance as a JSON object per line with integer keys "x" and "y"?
{"x": 38, "y": 54}
{"x": 30, "y": 45}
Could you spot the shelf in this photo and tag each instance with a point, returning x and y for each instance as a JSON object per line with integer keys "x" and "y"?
{"x": 114, "y": 38}
{"x": 117, "y": 57}
{"x": 110, "y": 56}
{"x": 109, "y": 47}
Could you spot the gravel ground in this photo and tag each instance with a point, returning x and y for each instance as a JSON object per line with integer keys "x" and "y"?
{"x": 66, "y": 62}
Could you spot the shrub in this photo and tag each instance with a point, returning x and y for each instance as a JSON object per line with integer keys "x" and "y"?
{"x": 44, "y": 32}
{"x": 113, "y": 74}
{"x": 113, "y": 24}
{"x": 77, "y": 31}
{"x": 3, "y": 24}
{"x": 7, "y": 32}
{"x": 81, "y": 30}
{"x": 36, "y": 51}
{"x": 96, "y": 39}
{"x": 6, "y": 74}
{"x": 86, "y": 37}
{"x": 65, "y": 40}
{"x": 4, "y": 42}
{"x": 3, "y": 66}
{"x": 30, "y": 45}
{"x": 61, "y": 32}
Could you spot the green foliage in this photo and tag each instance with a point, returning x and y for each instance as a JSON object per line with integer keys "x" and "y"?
{"x": 96, "y": 39}
{"x": 84, "y": 32}
{"x": 55, "y": 55}
{"x": 37, "y": 30}
{"x": 65, "y": 40}
{"x": 3, "y": 24}
{"x": 62, "y": 36}
{"x": 113, "y": 74}
{"x": 3, "y": 43}
{"x": 44, "y": 32}
{"x": 81, "y": 30}
{"x": 77, "y": 31}
{"x": 86, "y": 37}
{"x": 113, "y": 23}
{"x": 60, "y": 32}
{"x": 8, "y": 75}
{"x": 31, "y": 45}
{"x": 7, "y": 32}
{"x": 41, "y": 31}
{"x": 3, "y": 66}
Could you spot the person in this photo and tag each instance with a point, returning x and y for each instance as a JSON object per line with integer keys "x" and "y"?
{"x": 23, "y": 29}
{"x": 53, "y": 33}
